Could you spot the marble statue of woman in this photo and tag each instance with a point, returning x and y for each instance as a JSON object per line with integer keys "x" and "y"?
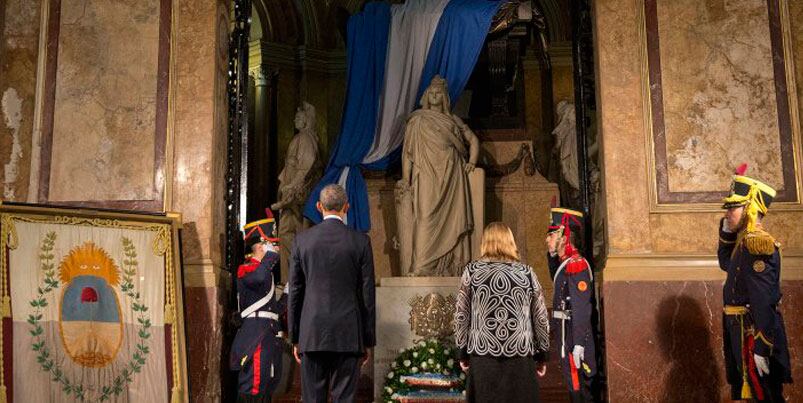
{"x": 301, "y": 171}
{"x": 435, "y": 215}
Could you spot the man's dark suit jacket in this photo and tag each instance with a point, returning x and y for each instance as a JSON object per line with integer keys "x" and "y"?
{"x": 332, "y": 303}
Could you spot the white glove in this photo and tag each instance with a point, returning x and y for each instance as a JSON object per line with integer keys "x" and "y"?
{"x": 269, "y": 247}
{"x": 762, "y": 365}
{"x": 725, "y": 227}
{"x": 579, "y": 354}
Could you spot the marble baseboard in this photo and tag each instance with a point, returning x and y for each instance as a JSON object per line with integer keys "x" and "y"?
{"x": 204, "y": 327}
{"x": 664, "y": 339}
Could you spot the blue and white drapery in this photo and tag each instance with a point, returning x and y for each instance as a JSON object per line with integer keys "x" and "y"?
{"x": 393, "y": 53}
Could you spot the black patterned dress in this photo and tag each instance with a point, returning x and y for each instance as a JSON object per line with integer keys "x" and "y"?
{"x": 502, "y": 328}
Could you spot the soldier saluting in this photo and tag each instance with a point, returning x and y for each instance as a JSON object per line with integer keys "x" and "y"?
{"x": 756, "y": 353}
{"x": 572, "y": 302}
{"x": 257, "y": 349}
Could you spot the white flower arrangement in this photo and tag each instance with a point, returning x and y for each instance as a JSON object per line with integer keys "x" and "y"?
{"x": 426, "y": 358}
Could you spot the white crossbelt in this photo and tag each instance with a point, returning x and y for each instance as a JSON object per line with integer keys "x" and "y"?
{"x": 264, "y": 315}
{"x": 562, "y": 315}
{"x": 247, "y": 312}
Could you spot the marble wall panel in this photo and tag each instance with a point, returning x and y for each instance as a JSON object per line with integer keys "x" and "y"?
{"x": 719, "y": 97}
{"x": 105, "y": 106}
{"x": 697, "y": 232}
{"x": 19, "y": 49}
{"x": 664, "y": 340}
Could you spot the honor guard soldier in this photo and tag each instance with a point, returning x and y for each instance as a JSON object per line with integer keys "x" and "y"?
{"x": 257, "y": 349}
{"x": 572, "y": 302}
{"x": 756, "y": 352}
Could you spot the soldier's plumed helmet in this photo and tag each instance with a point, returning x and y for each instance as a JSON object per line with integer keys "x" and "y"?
{"x": 745, "y": 189}
{"x": 263, "y": 230}
{"x": 563, "y": 218}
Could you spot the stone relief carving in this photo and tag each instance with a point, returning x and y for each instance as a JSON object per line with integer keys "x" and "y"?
{"x": 431, "y": 316}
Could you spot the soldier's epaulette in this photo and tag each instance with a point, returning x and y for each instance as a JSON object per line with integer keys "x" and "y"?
{"x": 246, "y": 268}
{"x": 759, "y": 242}
{"x": 576, "y": 265}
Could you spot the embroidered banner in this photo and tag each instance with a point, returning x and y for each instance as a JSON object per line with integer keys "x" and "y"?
{"x": 89, "y": 307}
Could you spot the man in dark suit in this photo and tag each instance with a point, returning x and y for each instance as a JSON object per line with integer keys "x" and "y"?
{"x": 331, "y": 308}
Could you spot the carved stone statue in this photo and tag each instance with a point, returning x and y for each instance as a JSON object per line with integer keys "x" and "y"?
{"x": 301, "y": 171}
{"x": 434, "y": 200}
{"x": 566, "y": 143}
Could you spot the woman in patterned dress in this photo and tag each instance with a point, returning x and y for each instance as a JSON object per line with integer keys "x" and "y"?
{"x": 501, "y": 323}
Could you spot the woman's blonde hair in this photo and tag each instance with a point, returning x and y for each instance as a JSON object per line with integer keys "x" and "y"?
{"x": 498, "y": 243}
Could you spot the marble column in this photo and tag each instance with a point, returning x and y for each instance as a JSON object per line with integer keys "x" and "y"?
{"x": 199, "y": 149}
{"x": 262, "y": 148}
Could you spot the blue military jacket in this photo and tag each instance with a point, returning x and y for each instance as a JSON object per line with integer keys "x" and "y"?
{"x": 753, "y": 265}
{"x": 574, "y": 297}
{"x": 257, "y": 350}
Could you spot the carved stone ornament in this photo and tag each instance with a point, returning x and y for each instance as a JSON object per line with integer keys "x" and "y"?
{"x": 432, "y": 316}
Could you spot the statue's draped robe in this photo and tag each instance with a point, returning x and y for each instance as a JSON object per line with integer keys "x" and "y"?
{"x": 301, "y": 159}
{"x": 302, "y": 168}
{"x": 441, "y": 197}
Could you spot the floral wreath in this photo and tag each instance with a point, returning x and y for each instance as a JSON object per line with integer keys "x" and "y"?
{"x": 426, "y": 357}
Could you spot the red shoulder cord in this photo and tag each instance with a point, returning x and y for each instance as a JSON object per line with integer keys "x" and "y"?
{"x": 247, "y": 267}
{"x": 565, "y": 221}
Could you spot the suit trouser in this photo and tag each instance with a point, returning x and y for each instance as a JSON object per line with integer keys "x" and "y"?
{"x": 321, "y": 370}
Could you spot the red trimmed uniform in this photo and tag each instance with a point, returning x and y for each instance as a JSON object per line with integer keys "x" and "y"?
{"x": 752, "y": 319}
{"x": 571, "y": 318}
{"x": 257, "y": 350}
